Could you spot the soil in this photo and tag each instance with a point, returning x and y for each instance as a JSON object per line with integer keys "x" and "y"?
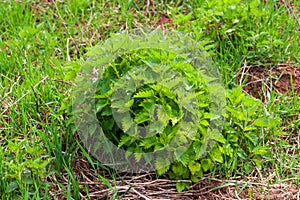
{"x": 259, "y": 81}
{"x": 164, "y": 19}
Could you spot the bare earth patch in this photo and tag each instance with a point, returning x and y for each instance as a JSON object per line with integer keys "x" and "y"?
{"x": 283, "y": 79}
{"x": 259, "y": 81}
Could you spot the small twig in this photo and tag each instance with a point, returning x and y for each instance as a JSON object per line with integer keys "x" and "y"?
{"x": 259, "y": 173}
{"x": 65, "y": 82}
{"x": 68, "y": 53}
{"x": 65, "y": 25}
{"x": 107, "y": 190}
{"x": 141, "y": 195}
{"x": 24, "y": 95}
{"x": 10, "y": 89}
{"x": 5, "y": 77}
{"x": 243, "y": 72}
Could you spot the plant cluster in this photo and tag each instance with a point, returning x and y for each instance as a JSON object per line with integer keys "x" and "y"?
{"x": 156, "y": 107}
{"x": 23, "y": 168}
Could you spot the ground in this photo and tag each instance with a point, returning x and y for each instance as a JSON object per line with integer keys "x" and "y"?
{"x": 255, "y": 45}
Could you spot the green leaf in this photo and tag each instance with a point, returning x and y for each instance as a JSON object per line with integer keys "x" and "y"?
{"x": 180, "y": 186}
{"x": 129, "y": 103}
{"x": 206, "y": 164}
{"x": 207, "y": 115}
{"x": 149, "y": 142}
{"x": 12, "y": 186}
{"x": 172, "y": 84}
{"x": 162, "y": 165}
{"x": 141, "y": 117}
{"x": 120, "y": 106}
{"x": 147, "y": 104}
{"x": 252, "y": 136}
{"x": 274, "y": 122}
{"x": 215, "y": 135}
{"x": 181, "y": 155}
{"x": 195, "y": 179}
{"x": 27, "y": 178}
{"x": 138, "y": 156}
{"x": 100, "y": 104}
{"x": 216, "y": 155}
{"x": 158, "y": 113}
{"x": 228, "y": 149}
{"x": 156, "y": 127}
{"x": 125, "y": 139}
{"x": 194, "y": 167}
{"x": 241, "y": 154}
{"x": 199, "y": 149}
{"x": 144, "y": 94}
{"x": 260, "y": 150}
{"x": 107, "y": 111}
{"x": 204, "y": 123}
{"x": 237, "y": 95}
{"x": 127, "y": 123}
{"x": 159, "y": 146}
{"x": 239, "y": 114}
{"x": 70, "y": 76}
{"x": 258, "y": 162}
{"x": 105, "y": 125}
{"x": 232, "y": 137}
{"x": 178, "y": 168}
{"x": 261, "y": 122}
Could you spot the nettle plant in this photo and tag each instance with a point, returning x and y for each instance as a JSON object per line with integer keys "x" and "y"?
{"x": 165, "y": 113}
{"x": 155, "y": 102}
{"x": 23, "y": 168}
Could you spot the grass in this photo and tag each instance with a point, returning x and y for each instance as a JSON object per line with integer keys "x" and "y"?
{"x": 39, "y": 145}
